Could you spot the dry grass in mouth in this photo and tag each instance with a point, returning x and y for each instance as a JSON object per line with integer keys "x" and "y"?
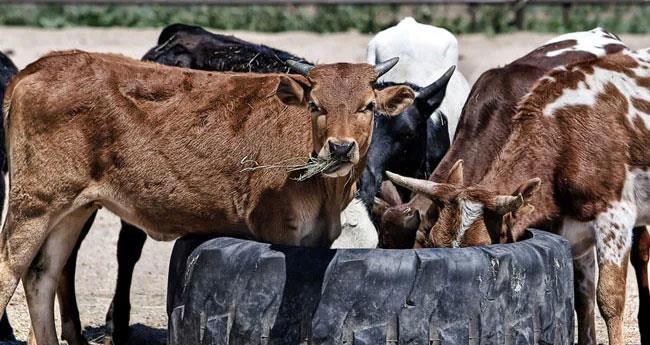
{"x": 314, "y": 166}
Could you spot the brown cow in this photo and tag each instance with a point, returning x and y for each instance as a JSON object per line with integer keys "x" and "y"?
{"x": 484, "y": 127}
{"x": 583, "y": 133}
{"x": 164, "y": 148}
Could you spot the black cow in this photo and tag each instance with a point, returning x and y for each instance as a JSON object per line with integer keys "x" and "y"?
{"x": 193, "y": 47}
{"x": 7, "y": 71}
{"x": 410, "y": 143}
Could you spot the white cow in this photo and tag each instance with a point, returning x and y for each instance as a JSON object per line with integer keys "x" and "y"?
{"x": 425, "y": 52}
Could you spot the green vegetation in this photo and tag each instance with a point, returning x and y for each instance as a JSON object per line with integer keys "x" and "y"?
{"x": 331, "y": 18}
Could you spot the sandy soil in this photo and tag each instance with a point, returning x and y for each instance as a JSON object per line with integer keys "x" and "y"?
{"x": 97, "y": 265}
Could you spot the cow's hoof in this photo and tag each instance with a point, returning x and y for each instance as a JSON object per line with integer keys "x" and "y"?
{"x": 520, "y": 293}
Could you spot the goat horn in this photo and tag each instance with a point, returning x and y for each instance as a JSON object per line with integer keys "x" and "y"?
{"x": 383, "y": 67}
{"x": 300, "y": 67}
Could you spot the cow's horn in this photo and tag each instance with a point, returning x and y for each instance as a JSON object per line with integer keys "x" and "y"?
{"x": 383, "y": 67}
{"x": 416, "y": 185}
{"x": 300, "y": 67}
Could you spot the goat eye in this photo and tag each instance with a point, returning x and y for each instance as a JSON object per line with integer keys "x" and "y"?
{"x": 313, "y": 107}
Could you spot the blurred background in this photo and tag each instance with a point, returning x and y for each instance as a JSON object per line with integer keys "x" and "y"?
{"x": 365, "y": 16}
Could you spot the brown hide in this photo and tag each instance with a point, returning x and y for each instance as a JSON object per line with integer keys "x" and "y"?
{"x": 164, "y": 148}
{"x": 580, "y": 152}
{"x": 486, "y": 120}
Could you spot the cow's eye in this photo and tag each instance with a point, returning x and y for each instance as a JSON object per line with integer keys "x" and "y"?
{"x": 313, "y": 107}
{"x": 369, "y": 107}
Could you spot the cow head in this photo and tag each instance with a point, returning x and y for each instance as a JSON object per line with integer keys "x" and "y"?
{"x": 342, "y": 100}
{"x": 399, "y": 143}
{"x": 399, "y": 223}
{"x": 461, "y": 216}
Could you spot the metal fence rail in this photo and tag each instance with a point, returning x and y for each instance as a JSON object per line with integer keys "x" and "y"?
{"x": 321, "y": 2}
{"x": 517, "y": 6}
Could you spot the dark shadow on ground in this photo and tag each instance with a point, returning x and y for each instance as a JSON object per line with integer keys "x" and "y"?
{"x": 140, "y": 335}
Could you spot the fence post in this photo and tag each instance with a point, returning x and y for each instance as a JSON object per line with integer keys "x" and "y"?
{"x": 566, "y": 13}
{"x": 519, "y": 8}
{"x": 472, "y": 7}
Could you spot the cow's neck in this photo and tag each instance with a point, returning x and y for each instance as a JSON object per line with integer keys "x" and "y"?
{"x": 530, "y": 152}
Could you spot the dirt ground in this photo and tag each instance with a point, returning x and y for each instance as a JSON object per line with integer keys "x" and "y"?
{"x": 96, "y": 270}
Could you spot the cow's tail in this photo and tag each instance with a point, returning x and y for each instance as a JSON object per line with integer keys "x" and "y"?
{"x": 6, "y": 108}
{"x": 6, "y": 111}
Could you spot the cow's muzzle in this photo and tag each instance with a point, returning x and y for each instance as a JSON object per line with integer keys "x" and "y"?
{"x": 341, "y": 152}
{"x": 344, "y": 153}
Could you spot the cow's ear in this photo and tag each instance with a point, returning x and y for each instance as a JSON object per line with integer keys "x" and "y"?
{"x": 394, "y": 100}
{"x": 293, "y": 89}
{"x": 528, "y": 188}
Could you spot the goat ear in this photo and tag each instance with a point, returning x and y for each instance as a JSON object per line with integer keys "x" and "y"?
{"x": 393, "y": 100}
{"x": 456, "y": 173}
{"x": 293, "y": 89}
{"x": 528, "y": 188}
{"x": 389, "y": 193}
{"x": 430, "y": 97}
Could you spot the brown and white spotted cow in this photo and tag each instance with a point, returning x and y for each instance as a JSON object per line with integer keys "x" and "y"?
{"x": 484, "y": 128}
{"x": 583, "y": 131}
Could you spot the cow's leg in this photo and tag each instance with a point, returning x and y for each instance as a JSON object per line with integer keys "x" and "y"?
{"x": 639, "y": 258}
{"x": 42, "y": 278}
{"x": 581, "y": 237}
{"x": 19, "y": 243}
{"x": 584, "y": 271}
{"x": 613, "y": 231}
{"x": 66, "y": 293}
{"x": 129, "y": 249}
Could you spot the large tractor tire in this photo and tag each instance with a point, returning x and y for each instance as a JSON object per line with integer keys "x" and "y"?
{"x": 230, "y": 291}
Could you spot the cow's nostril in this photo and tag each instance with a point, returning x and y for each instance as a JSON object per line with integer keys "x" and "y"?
{"x": 341, "y": 151}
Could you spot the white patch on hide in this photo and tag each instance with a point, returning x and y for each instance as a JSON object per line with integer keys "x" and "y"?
{"x": 594, "y": 84}
{"x": 641, "y": 190}
{"x": 613, "y": 228}
{"x": 470, "y": 211}
{"x": 593, "y": 41}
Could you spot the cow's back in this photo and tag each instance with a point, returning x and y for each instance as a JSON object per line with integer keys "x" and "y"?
{"x": 177, "y": 139}
{"x": 486, "y": 120}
